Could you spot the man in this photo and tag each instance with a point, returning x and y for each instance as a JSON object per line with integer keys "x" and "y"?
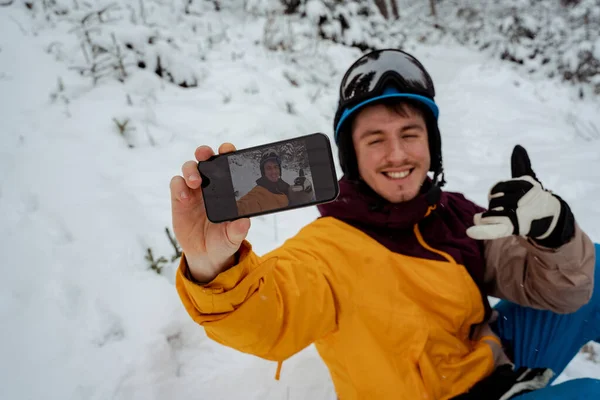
{"x": 270, "y": 192}
{"x": 391, "y": 283}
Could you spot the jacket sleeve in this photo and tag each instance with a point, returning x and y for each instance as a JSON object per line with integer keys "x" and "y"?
{"x": 249, "y": 203}
{"x": 271, "y": 306}
{"x": 560, "y": 280}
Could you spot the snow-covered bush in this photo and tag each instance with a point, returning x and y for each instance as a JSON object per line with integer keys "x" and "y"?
{"x": 354, "y": 23}
{"x": 278, "y": 33}
{"x": 548, "y": 38}
{"x": 555, "y": 39}
{"x": 263, "y": 7}
{"x": 114, "y": 39}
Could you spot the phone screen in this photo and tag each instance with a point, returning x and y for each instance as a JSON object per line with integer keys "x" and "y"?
{"x": 274, "y": 177}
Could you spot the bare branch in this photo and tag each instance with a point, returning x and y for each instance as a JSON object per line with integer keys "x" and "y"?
{"x": 23, "y": 31}
{"x": 99, "y": 14}
{"x": 120, "y": 65}
{"x": 143, "y": 12}
{"x": 175, "y": 245}
{"x": 155, "y": 264}
{"x": 432, "y": 6}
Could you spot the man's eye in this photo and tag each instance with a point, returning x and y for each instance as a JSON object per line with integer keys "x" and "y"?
{"x": 374, "y": 141}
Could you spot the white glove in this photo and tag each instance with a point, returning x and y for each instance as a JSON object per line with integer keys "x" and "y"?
{"x": 519, "y": 206}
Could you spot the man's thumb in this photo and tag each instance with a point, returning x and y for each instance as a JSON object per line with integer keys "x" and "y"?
{"x": 238, "y": 230}
{"x": 520, "y": 163}
{"x": 488, "y": 232}
{"x": 489, "y": 228}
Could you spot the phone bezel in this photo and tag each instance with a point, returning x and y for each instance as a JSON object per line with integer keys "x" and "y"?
{"x": 321, "y": 174}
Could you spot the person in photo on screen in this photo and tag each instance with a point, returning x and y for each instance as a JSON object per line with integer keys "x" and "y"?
{"x": 271, "y": 192}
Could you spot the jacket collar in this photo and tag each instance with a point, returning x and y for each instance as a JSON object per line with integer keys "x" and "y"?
{"x": 358, "y": 204}
{"x": 279, "y": 187}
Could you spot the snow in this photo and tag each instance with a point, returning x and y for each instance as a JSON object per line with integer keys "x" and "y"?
{"x": 315, "y": 9}
{"x": 83, "y": 316}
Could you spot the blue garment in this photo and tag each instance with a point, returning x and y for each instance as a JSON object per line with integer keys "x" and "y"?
{"x": 576, "y": 389}
{"x": 545, "y": 339}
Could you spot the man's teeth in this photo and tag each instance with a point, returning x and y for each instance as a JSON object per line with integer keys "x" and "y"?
{"x": 397, "y": 175}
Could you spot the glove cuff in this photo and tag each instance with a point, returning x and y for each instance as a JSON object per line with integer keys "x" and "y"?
{"x": 564, "y": 230}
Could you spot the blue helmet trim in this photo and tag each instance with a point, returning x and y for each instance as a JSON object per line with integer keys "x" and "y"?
{"x": 388, "y": 93}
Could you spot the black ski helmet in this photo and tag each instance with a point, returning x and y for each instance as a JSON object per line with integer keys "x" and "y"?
{"x": 381, "y": 76}
{"x": 269, "y": 156}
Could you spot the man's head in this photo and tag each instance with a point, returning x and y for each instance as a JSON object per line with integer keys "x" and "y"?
{"x": 391, "y": 145}
{"x": 270, "y": 166}
{"x": 386, "y": 125}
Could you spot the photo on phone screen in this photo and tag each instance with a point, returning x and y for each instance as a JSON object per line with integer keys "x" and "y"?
{"x": 269, "y": 178}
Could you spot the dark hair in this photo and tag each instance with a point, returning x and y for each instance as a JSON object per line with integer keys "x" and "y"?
{"x": 404, "y": 107}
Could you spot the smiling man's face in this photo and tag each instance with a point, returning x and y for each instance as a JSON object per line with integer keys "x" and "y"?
{"x": 272, "y": 171}
{"x": 392, "y": 150}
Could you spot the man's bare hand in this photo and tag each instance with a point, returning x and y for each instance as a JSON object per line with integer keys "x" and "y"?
{"x": 209, "y": 248}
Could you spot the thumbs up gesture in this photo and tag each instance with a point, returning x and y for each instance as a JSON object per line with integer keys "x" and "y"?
{"x": 519, "y": 206}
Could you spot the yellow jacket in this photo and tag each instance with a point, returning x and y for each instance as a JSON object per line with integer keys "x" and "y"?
{"x": 261, "y": 199}
{"x": 388, "y": 295}
{"x": 388, "y": 326}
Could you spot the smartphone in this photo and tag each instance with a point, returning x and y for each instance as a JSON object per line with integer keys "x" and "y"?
{"x": 270, "y": 178}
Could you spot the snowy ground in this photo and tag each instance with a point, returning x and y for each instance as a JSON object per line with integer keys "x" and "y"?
{"x": 84, "y": 318}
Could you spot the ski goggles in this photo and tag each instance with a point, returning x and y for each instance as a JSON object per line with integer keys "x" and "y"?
{"x": 382, "y": 74}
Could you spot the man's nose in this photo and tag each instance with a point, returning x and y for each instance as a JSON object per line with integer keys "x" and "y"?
{"x": 395, "y": 151}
